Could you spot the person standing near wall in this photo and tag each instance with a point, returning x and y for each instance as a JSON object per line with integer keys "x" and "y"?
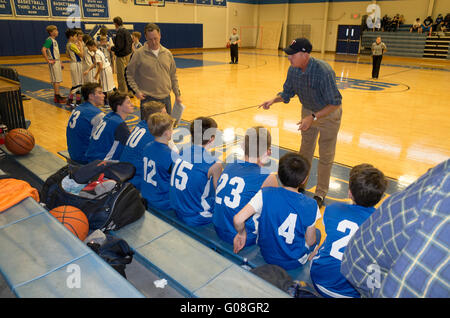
{"x": 234, "y": 46}
{"x": 122, "y": 50}
{"x": 378, "y": 49}
{"x": 152, "y": 72}
{"x": 314, "y": 82}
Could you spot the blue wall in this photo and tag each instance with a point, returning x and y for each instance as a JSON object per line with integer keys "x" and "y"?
{"x": 25, "y": 37}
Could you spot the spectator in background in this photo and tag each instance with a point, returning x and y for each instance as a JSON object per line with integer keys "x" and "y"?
{"x": 427, "y": 25}
{"x": 122, "y": 50}
{"x": 416, "y": 26}
{"x": 395, "y": 23}
{"x": 401, "y": 250}
{"x": 438, "y": 23}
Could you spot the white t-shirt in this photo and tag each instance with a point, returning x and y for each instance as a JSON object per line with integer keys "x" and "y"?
{"x": 100, "y": 57}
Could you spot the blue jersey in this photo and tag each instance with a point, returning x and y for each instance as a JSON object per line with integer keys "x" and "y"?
{"x": 79, "y": 128}
{"x": 192, "y": 193}
{"x": 238, "y": 183}
{"x": 158, "y": 161}
{"x": 108, "y": 139}
{"x": 284, "y": 218}
{"x": 341, "y": 222}
{"x": 133, "y": 150}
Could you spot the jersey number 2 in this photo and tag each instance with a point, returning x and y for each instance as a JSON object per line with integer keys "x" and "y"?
{"x": 343, "y": 226}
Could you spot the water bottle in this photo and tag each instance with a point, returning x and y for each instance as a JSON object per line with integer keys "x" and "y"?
{"x": 245, "y": 265}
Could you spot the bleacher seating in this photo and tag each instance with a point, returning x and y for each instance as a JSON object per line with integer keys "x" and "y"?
{"x": 398, "y": 43}
{"x": 194, "y": 268}
{"x": 39, "y": 256}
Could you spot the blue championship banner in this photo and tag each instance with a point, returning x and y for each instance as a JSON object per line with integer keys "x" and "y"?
{"x": 31, "y": 8}
{"x": 5, "y": 7}
{"x": 63, "y": 8}
{"x": 206, "y": 2}
{"x": 186, "y": 1}
{"x": 221, "y": 3}
{"x": 95, "y": 8}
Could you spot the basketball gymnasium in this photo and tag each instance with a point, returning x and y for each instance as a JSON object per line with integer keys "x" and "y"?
{"x": 398, "y": 122}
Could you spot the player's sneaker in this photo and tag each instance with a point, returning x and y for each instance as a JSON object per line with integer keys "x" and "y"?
{"x": 60, "y": 99}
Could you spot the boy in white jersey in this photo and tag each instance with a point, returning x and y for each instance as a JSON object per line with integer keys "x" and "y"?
{"x": 50, "y": 51}
{"x": 75, "y": 56}
{"x": 88, "y": 60}
{"x": 104, "y": 70}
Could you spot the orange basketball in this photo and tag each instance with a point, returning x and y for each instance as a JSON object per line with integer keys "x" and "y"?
{"x": 228, "y": 45}
{"x": 73, "y": 219}
{"x": 19, "y": 141}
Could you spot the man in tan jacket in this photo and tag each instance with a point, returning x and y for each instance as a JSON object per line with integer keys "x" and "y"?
{"x": 152, "y": 71}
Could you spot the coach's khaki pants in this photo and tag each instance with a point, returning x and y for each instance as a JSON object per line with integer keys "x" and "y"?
{"x": 121, "y": 63}
{"x": 326, "y": 129}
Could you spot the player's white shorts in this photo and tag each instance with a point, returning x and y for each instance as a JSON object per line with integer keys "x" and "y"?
{"x": 90, "y": 76}
{"x": 107, "y": 79}
{"x": 76, "y": 72}
{"x": 55, "y": 72}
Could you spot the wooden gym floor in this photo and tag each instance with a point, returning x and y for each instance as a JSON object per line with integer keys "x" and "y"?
{"x": 400, "y": 123}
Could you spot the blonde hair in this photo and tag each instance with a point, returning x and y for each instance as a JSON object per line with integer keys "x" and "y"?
{"x": 50, "y": 28}
{"x": 159, "y": 123}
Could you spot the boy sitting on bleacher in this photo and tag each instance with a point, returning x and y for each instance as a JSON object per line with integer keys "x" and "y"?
{"x": 83, "y": 120}
{"x": 240, "y": 181}
{"x": 366, "y": 187}
{"x": 139, "y": 138}
{"x": 195, "y": 175}
{"x": 109, "y": 138}
{"x": 286, "y": 218}
{"x": 158, "y": 162}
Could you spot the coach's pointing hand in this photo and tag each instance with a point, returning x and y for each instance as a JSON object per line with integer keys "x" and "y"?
{"x": 267, "y": 104}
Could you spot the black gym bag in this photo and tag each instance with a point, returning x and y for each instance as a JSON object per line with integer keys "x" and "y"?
{"x": 109, "y": 211}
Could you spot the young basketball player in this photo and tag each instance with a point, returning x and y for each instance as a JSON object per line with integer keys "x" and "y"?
{"x": 83, "y": 121}
{"x": 240, "y": 181}
{"x": 195, "y": 175}
{"x": 108, "y": 139}
{"x": 286, "y": 218}
{"x": 50, "y": 51}
{"x": 158, "y": 162}
{"x": 88, "y": 61}
{"x": 76, "y": 67}
{"x": 139, "y": 138}
{"x": 104, "y": 70}
{"x": 136, "y": 36}
{"x": 366, "y": 187}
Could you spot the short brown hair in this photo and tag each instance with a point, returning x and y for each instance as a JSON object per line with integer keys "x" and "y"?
{"x": 136, "y": 34}
{"x": 118, "y": 21}
{"x": 257, "y": 141}
{"x": 152, "y": 27}
{"x": 159, "y": 123}
{"x": 367, "y": 184}
{"x": 50, "y": 28}
{"x": 150, "y": 108}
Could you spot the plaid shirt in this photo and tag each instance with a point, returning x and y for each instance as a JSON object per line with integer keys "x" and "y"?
{"x": 402, "y": 250}
{"x": 316, "y": 87}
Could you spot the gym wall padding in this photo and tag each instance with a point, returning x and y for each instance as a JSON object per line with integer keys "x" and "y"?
{"x": 26, "y": 37}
